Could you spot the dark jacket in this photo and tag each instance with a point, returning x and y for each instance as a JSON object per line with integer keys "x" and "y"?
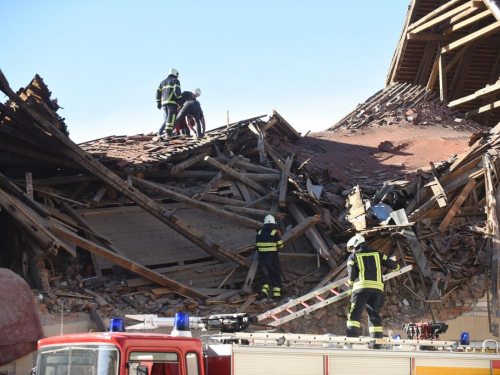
{"x": 169, "y": 91}
{"x": 187, "y": 96}
{"x": 268, "y": 239}
{"x": 192, "y": 108}
{"x": 364, "y": 267}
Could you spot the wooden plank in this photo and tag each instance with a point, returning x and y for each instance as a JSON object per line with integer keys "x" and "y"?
{"x": 434, "y": 72}
{"x": 457, "y": 57}
{"x": 34, "y": 224}
{"x": 487, "y": 91}
{"x": 443, "y": 91}
{"x": 128, "y": 264}
{"x": 313, "y": 235}
{"x": 29, "y": 185}
{"x": 99, "y": 195}
{"x": 24, "y": 197}
{"x": 484, "y": 32}
{"x": 467, "y": 22}
{"x": 211, "y": 184}
{"x": 63, "y": 180}
{"x": 165, "y": 191}
{"x": 434, "y": 21}
{"x": 284, "y": 183}
{"x": 456, "y": 205}
{"x": 247, "y": 286}
{"x": 247, "y": 303}
{"x": 486, "y": 108}
{"x": 433, "y": 14}
{"x": 236, "y": 175}
{"x": 189, "y": 162}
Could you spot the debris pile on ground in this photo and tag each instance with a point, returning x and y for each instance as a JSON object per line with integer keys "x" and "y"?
{"x": 93, "y": 219}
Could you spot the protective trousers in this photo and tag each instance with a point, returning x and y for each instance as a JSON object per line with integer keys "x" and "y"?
{"x": 169, "y": 118}
{"x": 374, "y": 300}
{"x": 271, "y": 272}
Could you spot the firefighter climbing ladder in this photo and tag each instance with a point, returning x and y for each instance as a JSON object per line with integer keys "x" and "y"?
{"x": 317, "y": 296}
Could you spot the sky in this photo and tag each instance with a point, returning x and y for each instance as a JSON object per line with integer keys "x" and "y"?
{"x": 312, "y": 62}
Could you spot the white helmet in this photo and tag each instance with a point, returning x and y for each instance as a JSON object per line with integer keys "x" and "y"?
{"x": 269, "y": 219}
{"x": 174, "y": 72}
{"x": 197, "y": 92}
{"x": 354, "y": 242}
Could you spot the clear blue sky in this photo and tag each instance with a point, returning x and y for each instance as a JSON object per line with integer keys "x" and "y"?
{"x": 313, "y": 62}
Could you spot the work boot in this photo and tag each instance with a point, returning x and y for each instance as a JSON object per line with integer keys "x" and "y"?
{"x": 261, "y": 296}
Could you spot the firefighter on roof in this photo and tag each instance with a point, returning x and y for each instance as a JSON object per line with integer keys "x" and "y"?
{"x": 167, "y": 95}
{"x": 364, "y": 267}
{"x": 268, "y": 244}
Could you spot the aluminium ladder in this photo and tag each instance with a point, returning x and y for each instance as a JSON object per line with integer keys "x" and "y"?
{"x": 316, "y": 295}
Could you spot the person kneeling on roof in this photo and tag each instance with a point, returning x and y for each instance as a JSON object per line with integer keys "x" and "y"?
{"x": 364, "y": 267}
{"x": 268, "y": 243}
{"x": 187, "y": 125}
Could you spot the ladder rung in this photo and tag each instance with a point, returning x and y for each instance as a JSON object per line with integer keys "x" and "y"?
{"x": 289, "y": 310}
{"x": 334, "y": 292}
{"x": 275, "y": 317}
{"x": 304, "y": 304}
{"x": 319, "y": 297}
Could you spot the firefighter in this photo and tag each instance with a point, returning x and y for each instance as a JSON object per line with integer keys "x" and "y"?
{"x": 193, "y": 109}
{"x": 268, "y": 243}
{"x": 167, "y": 95}
{"x": 364, "y": 267}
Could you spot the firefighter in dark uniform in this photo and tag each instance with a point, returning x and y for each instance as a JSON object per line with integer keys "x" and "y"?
{"x": 192, "y": 109}
{"x": 364, "y": 267}
{"x": 167, "y": 95}
{"x": 268, "y": 243}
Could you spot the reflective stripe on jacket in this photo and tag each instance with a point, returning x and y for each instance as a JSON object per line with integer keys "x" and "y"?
{"x": 169, "y": 91}
{"x": 268, "y": 239}
{"x": 365, "y": 269}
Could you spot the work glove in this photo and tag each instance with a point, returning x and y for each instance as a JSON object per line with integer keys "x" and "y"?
{"x": 158, "y": 105}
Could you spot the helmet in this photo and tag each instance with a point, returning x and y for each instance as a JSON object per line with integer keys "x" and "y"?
{"x": 269, "y": 219}
{"x": 354, "y": 242}
{"x": 197, "y": 92}
{"x": 174, "y": 72}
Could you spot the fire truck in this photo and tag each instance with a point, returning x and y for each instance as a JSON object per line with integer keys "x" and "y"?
{"x": 237, "y": 351}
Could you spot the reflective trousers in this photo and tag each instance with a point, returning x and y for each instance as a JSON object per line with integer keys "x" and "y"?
{"x": 169, "y": 115}
{"x": 271, "y": 272}
{"x": 373, "y": 300}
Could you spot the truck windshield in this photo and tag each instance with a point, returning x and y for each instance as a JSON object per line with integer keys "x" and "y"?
{"x": 78, "y": 360}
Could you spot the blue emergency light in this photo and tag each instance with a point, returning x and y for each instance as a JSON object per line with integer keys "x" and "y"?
{"x": 181, "y": 322}
{"x": 117, "y": 325}
{"x": 464, "y": 338}
{"x": 397, "y": 337}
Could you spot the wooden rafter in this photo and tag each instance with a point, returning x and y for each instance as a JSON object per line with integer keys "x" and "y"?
{"x": 442, "y": 78}
{"x": 433, "y": 14}
{"x": 456, "y": 19}
{"x": 483, "y": 109}
{"x": 445, "y": 16}
{"x": 467, "y": 22}
{"x": 483, "y": 93}
{"x": 484, "y": 32}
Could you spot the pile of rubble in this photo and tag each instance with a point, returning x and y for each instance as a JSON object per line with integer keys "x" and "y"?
{"x": 106, "y": 202}
{"x": 402, "y": 102}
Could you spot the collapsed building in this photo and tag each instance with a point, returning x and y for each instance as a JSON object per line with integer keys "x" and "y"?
{"x": 140, "y": 224}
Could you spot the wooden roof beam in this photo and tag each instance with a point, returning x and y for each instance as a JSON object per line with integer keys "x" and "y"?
{"x": 483, "y": 93}
{"x": 467, "y": 22}
{"x": 483, "y": 109}
{"x": 484, "y": 32}
{"x": 433, "y": 14}
{"x": 444, "y": 17}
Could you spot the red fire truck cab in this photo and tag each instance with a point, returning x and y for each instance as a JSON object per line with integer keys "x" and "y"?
{"x": 117, "y": 353}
